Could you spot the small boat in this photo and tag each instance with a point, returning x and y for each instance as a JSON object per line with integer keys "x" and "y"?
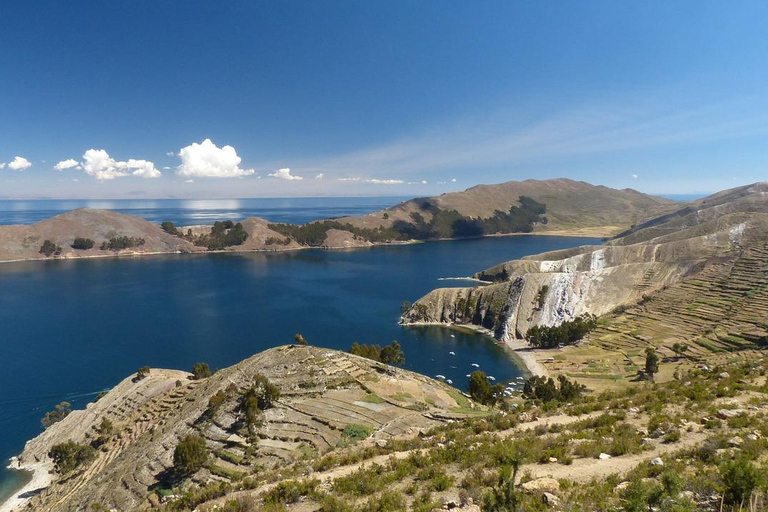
{"x": 476, "y": 365}
{"x": 449, "y": 381}
{"x": 452, "y": 336}
{"x": 452, "y": 353}
{"x": 491, "y": 377}
{"x": 442, "y": 377}
{"x": 520, "y": 378}
{"x": 468, "y": 375}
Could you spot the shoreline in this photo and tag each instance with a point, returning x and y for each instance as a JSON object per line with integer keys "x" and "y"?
{"x": 40, "y": 479}
{"x": 517, "y": 350}
{"x": 139, "y": 254}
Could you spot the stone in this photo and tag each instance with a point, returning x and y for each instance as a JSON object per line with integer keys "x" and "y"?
{"x": 735, "y": 442}
{"x": 552, "y": 460}
{"x": 752, "y": 437}
{"x": 550, "y": 499}
{"x": 724, "y": 414}
{"x": 381, "y": 443}
{"x": 656, "y": 461}
{"x": 622, "y": 486}
{"x": 545, "y": 484}
{"x": 724, "y": 375}
{"x": 603, "y": 456}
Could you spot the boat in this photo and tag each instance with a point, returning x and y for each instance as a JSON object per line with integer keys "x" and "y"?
{"x": 476, "y": 365}
{"x": 452, "y": 353}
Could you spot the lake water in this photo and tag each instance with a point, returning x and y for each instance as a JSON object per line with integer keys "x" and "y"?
{"x": 185, "y": 212}
{"x": 69, "y": 329}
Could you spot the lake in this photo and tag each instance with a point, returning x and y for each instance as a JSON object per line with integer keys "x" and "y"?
{"x": 69, "y": 329}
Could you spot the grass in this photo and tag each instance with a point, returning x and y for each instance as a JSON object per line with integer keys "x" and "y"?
{"x": 372, "y": 398}
{"x": 401, "y": 397}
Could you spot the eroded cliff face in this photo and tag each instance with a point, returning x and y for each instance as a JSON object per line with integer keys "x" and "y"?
{"x": 550, "y": 288}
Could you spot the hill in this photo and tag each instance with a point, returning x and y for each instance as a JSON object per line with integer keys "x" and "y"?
{"x": 327, "y": 399}
{"x": 695, "y": 275}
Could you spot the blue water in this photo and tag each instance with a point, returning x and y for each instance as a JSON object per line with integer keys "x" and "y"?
{"x": 185, "y": 212}
{"x": 69, "y": 329}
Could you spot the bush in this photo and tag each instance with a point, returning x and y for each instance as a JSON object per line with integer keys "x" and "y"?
{"x": 391, "y": 354}
{"x": 354, "y": 433}
{"x": 741, "y": 478}
{"x": 83, "y": 244}
{"x": 69, "y": 456}
{"x": 169, "y": 228}
{"x": 60, "y": 412}
{"x": 121, "y": 242}
{"x": 201, "y": 371}
{"x": 481, "y": 390}
{"x": 541, "y": 388}
{"x": 190, "y": 455}
{"x": 49, "y": 248}
{"x": 566, "y": 333}
{"x": 142, "y": 373}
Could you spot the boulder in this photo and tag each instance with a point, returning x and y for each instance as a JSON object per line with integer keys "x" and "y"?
{"x": 550, "y": 499}
{"x": 603, "y": 456}
{"x": 545, "y": 484}
{"x": 656, "y": 461}
{"x": 724, "y": 414}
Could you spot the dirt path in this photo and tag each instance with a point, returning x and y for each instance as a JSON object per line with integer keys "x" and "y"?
{"x": 585, "y": 470}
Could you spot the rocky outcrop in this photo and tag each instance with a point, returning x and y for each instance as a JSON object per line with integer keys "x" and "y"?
{"x": 322, "y": 392}
{"x": 550, "y": 288}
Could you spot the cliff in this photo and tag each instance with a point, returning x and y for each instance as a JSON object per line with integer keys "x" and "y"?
{"x": 550, "y": 288}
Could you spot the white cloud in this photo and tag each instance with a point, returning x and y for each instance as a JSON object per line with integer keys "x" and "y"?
{"x": 285, "y": 174}
{"x": 453, "y": 180}
{"x": 349, "y": 179}
{"x": 189, "y": 181}
{"x": 384, "y": 182}
{"x": 19, "y": 164}
{"x": 320, "y": 176}
{"x": 634, "y": 176}
{"x": 69, "y": 163}
{"x": 98, "y": 163}
{"x": 422, "y": 182}
{"x": 2, "y": 165}
{"x": 206, "y": 160}
{"x": 170, "y": 153}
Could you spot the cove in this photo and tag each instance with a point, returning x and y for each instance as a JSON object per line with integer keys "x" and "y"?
{"x": 69, "y": 329}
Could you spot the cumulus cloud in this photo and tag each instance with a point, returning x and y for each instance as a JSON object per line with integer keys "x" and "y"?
{"x": 98, "y": 163}
{"x": 69, "y": 163}
{"x": 384, "y": 182}
{"x": 285, "y": 174}
{"x": 19, "y": 164}
{"x": 634, "y": 176}
{"x": 206, "y": 160}
{"x": 170, "y": 153}
{"x": 2, "y": 165}
{"x": 320, "y": 176}
{"x": 453, "y": 180}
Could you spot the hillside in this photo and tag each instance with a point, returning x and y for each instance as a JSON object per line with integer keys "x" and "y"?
{"x": 695, "y": 275}
{"x": 695, "y": 443}
{"x": 572, "y": 207}
{"x": 322, "y": 393}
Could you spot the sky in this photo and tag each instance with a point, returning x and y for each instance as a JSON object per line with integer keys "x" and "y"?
{"x": 203, "y": 99}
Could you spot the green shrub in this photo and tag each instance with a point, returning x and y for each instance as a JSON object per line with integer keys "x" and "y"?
{"x": 69, "y": 456}
{"x": 60, "y": 412}
{"x": 190, "y": 455}
{"x": 50, "y": 249}
{"x": 83, "y": 244}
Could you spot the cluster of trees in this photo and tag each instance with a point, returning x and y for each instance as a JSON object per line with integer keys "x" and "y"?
{"x": 50, "y": 249}
{"x": 482, "y": 391}
{"x": 443, "y": 224}
{"x": 391, "y": 354}
{"x": 546, "y": 390}
{"x": 567, "y": 333}
{"x": 223, "y": 234}
{"x": 117, "y": 243}
{"x": 201, "y": 371}
{"x": 59, "y": 412}
{"x": 69, "y": 456}
{"x": 83, "y": 244}
{"x": 169, "y": 228}
{"x": 190, "y": 455}
{"x": 261, "y": 396}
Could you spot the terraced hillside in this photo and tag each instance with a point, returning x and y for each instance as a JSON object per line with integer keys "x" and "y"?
{"x": 550, "y": 288}
{"x": 325, "y": 397}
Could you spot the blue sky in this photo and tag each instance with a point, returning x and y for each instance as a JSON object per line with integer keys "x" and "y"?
{"x": 378, "y": 98}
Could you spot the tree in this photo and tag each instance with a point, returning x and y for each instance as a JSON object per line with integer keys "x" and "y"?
{"x": 190, "y": 455}
{"x": 201, "y": 371}
{"x": 169, "y": 228}
{"x": 392, "y": 354}
{"x": 300, "y": 339}
{"x": 83, "y": 244}
{"x": 60, "y": 412}
{"x": 69, "y": 456}
{"x": 49, "y": 248}
{"x": 741, "y": 478}
{"x": 680, "y": 349}
{"x": 481, "y": 390}
{"x": 142, "y": 372}
{"x": 651, "y": 362}
{"x": 505, "y": 496}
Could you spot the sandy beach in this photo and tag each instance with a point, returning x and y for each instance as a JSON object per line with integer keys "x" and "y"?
{"x": 41, "y": 478}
